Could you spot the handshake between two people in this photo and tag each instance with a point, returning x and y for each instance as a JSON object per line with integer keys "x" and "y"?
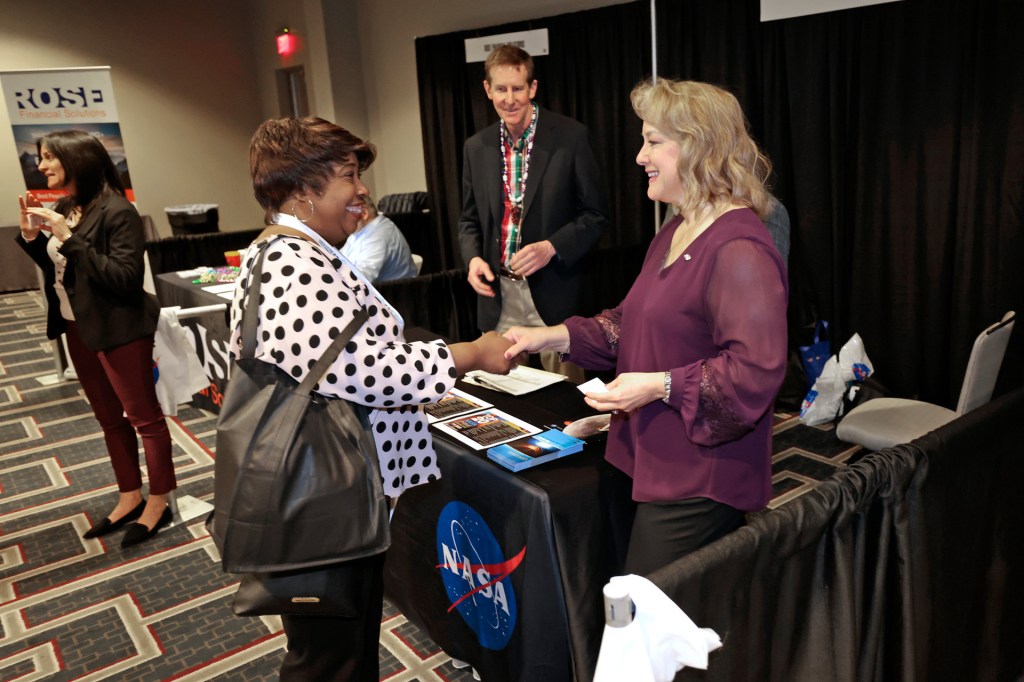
{"x": 488, "y": 353}
{"x": 495, "y": 353}
{"x": 500, "y": 354}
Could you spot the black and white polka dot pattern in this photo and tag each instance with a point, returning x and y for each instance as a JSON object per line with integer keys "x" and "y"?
{"x": 306, "y": 299}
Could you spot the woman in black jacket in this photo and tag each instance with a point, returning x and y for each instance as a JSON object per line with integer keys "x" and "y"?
{"x": 90, "y": 248}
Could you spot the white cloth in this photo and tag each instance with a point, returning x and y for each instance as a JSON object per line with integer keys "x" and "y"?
{"x": 179, "y": 374}
{"x": 659, "y": 642}
{"x": 379, "y": 251}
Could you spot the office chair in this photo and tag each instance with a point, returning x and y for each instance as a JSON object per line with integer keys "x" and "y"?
{"x": 884, "y": 422}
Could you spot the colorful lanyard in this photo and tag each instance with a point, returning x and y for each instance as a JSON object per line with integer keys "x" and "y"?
{"x": 515, "y": 187}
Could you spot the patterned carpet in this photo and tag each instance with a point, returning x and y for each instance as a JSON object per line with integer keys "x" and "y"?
{"x": 74, "y": 609}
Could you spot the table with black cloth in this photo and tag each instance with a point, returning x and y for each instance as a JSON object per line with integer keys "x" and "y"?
{"x": 441, "y": 302}
{"x": 570, "y": 518}
{"x": 208, "y": 332}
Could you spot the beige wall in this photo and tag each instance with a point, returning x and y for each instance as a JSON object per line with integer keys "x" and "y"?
{"x": 194, "y": 78}
{"x": 185, "y": 91}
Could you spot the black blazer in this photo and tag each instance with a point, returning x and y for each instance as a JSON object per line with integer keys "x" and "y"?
{"x": 564, "y": 204}
{"x": 103, "y": 277}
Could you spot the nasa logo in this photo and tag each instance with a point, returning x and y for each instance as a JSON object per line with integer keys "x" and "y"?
{"x": 476, "y": 574}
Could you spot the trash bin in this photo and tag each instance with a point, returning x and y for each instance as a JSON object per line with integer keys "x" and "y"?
{"x": 193, "y": 218}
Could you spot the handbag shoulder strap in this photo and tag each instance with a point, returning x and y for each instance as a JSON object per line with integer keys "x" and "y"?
{"x": 317, "y": 371}
{"x": 250, "y": 320}
{"x": 250, "y": 310}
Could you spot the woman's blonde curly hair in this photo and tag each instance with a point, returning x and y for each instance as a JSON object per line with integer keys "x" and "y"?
{"x": 718, "y": 160}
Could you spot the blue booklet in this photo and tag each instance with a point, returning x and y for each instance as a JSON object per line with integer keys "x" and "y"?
{"x": 524, "y": 453}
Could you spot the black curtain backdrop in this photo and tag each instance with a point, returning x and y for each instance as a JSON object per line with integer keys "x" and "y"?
{"x": 896, "y": 132}
{"x": 187, "y": 251}
{"x": 903, "y": 566}
{"x": 595, "y": 56}
{"x": 441, "y": 302}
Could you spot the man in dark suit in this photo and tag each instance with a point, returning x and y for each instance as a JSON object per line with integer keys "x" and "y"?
{"x": 532, "y": 203}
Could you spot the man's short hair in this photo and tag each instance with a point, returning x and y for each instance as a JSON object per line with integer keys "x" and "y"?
{"x": 509, "y": 55}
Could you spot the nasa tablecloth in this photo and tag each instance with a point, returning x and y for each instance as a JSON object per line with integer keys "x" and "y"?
{"x": 505, "y": 570}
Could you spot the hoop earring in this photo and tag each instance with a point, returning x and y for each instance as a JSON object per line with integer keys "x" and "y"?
{"x": 312, "y": 210}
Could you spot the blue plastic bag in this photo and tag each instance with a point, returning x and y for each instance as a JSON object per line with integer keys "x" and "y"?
{"x": 814, "y": 356}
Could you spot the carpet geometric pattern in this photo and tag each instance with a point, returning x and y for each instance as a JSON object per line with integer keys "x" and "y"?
{"x": 75, "y": 609}
{"x": 804, "y": 455}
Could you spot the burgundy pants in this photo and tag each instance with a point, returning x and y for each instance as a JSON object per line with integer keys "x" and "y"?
{"x": 119, "y": 385}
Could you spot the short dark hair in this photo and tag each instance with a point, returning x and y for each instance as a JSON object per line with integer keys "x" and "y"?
{"x": 509, "y": 55}
{"x": 85, "y": 161}
{"x": 288, "y": 155}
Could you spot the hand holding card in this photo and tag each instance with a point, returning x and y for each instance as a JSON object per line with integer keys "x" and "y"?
{"x": 595, "y": 385}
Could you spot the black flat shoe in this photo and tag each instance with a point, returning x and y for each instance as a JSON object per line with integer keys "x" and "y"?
{"x": 105, "y": 525}
{"x": 138, "y": 532}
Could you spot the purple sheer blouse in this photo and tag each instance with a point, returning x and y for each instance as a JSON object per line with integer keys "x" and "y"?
{"x": 715, "y": 318}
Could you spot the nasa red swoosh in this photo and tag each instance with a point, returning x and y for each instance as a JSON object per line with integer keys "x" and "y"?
{"x": 499, "y": 571}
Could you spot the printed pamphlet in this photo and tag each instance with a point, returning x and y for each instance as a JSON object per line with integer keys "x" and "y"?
{"x": 533, "y": 450}
{"x": 482, "y": 430}
{"x": 454, "y": 404}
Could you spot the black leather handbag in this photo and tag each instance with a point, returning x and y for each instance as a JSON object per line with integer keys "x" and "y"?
{"x": 297, "y": 480}
{"x": 332, "y": 591}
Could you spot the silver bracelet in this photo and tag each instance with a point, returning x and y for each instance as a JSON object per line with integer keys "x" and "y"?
{"x": 668, "y": 387}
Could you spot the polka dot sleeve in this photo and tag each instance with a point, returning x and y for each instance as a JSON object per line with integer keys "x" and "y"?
{"x": 306, "y": 300}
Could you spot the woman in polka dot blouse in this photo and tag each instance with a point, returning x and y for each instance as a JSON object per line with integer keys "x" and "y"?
{"x": 306, "y": 174}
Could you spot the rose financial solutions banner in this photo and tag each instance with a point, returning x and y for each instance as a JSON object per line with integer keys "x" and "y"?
{"x": 43, "y": 101}
{"x": 47, "y": 100}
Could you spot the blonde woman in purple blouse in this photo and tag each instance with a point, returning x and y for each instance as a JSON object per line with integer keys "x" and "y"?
{"x": 699, "y": 343}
